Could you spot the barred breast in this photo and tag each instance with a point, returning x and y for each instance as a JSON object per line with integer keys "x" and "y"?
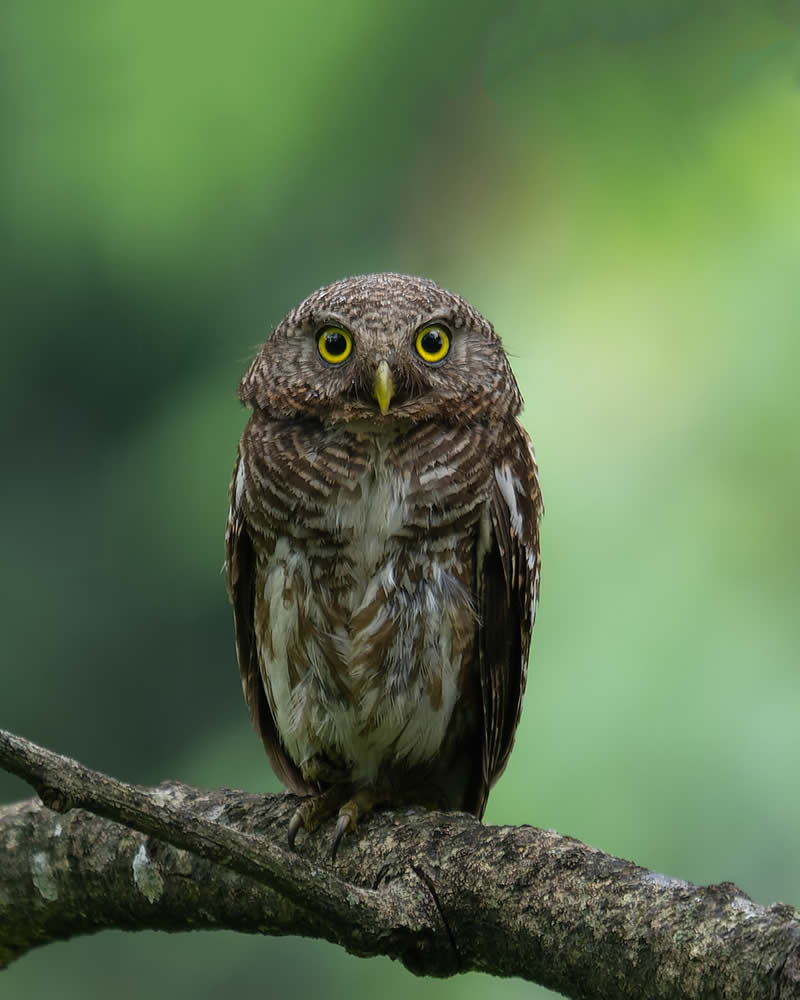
{"x": 364, "y": 612}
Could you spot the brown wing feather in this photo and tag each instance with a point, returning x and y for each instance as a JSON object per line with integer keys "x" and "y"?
{"x": 240, "y": 568}
{"x": 507, "y": 588}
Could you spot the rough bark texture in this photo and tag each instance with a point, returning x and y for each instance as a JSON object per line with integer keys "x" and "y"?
{"x": 440, "y": 892}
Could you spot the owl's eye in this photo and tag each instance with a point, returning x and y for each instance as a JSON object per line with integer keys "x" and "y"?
{"x": 433, "y": 344}
{"x": 334, "y": 345}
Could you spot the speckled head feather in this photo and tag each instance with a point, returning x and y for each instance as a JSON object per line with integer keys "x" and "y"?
{"x": 383, "y": 550}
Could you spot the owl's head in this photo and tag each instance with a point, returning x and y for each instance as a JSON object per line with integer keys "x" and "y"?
{"x": 383, "y": 348}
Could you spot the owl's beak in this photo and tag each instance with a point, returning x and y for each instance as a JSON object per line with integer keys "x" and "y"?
{"x": 383, "y": 386}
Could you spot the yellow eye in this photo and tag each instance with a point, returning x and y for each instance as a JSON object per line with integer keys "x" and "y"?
{"x": 433, "y": 344}
{"x": 334, "y": 345}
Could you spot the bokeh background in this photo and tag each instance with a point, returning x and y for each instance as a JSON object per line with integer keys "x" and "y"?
{"x": 617, "y": 186}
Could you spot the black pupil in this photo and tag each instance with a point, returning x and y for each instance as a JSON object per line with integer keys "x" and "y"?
{"x": 432, "y": 342}
{"x": 335, "y": 343}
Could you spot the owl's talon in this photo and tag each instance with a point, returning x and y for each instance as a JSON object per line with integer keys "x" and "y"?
{"x": 343, "y": 824}
{"x": 363, "y": 801}
{"x": 316, "y": 809}
{"x": 295, "y": 823}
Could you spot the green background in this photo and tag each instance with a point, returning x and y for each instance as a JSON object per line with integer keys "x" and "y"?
{"x": 617, "y": 187}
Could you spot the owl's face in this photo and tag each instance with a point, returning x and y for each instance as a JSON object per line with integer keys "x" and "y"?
{"x": 383, "y": 348}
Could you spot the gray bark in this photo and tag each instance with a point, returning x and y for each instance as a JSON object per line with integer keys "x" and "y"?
{"x": 440, "y": 892}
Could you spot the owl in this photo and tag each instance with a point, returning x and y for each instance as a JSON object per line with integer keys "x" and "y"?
{"x": 382, "y": 551}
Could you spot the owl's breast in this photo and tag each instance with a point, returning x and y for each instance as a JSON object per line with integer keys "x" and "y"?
{"x": 364, "y": 606}
{"x": 371, "y": 530}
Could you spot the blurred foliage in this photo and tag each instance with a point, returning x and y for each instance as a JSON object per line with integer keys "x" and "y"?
{"x": 616, "y": 186}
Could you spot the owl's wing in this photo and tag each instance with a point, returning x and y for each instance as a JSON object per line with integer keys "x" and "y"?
{"x": 240, "y": 569}
{"x": 507, "y": 588}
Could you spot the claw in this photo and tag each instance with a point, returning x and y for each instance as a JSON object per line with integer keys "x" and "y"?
{"x": 295, "y": 823}
{"x": 343, "y": 824}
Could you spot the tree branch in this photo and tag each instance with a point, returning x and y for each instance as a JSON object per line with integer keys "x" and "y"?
{"x": 440, "y": 892}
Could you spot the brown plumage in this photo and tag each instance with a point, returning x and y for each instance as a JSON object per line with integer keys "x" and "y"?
{"x": 383, "y": 550}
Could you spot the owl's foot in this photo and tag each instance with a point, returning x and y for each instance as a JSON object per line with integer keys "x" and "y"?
{"x": 315, "y": 810}
{"x": 362, "y": 802}
{"x": 342, "y": 799}
{"x": 352, "y": 804}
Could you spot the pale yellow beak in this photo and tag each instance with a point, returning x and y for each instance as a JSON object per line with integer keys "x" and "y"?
{"x": 383, "y": 387}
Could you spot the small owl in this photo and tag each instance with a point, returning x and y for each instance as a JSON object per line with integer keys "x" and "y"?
{"x": 383, "y": 551}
